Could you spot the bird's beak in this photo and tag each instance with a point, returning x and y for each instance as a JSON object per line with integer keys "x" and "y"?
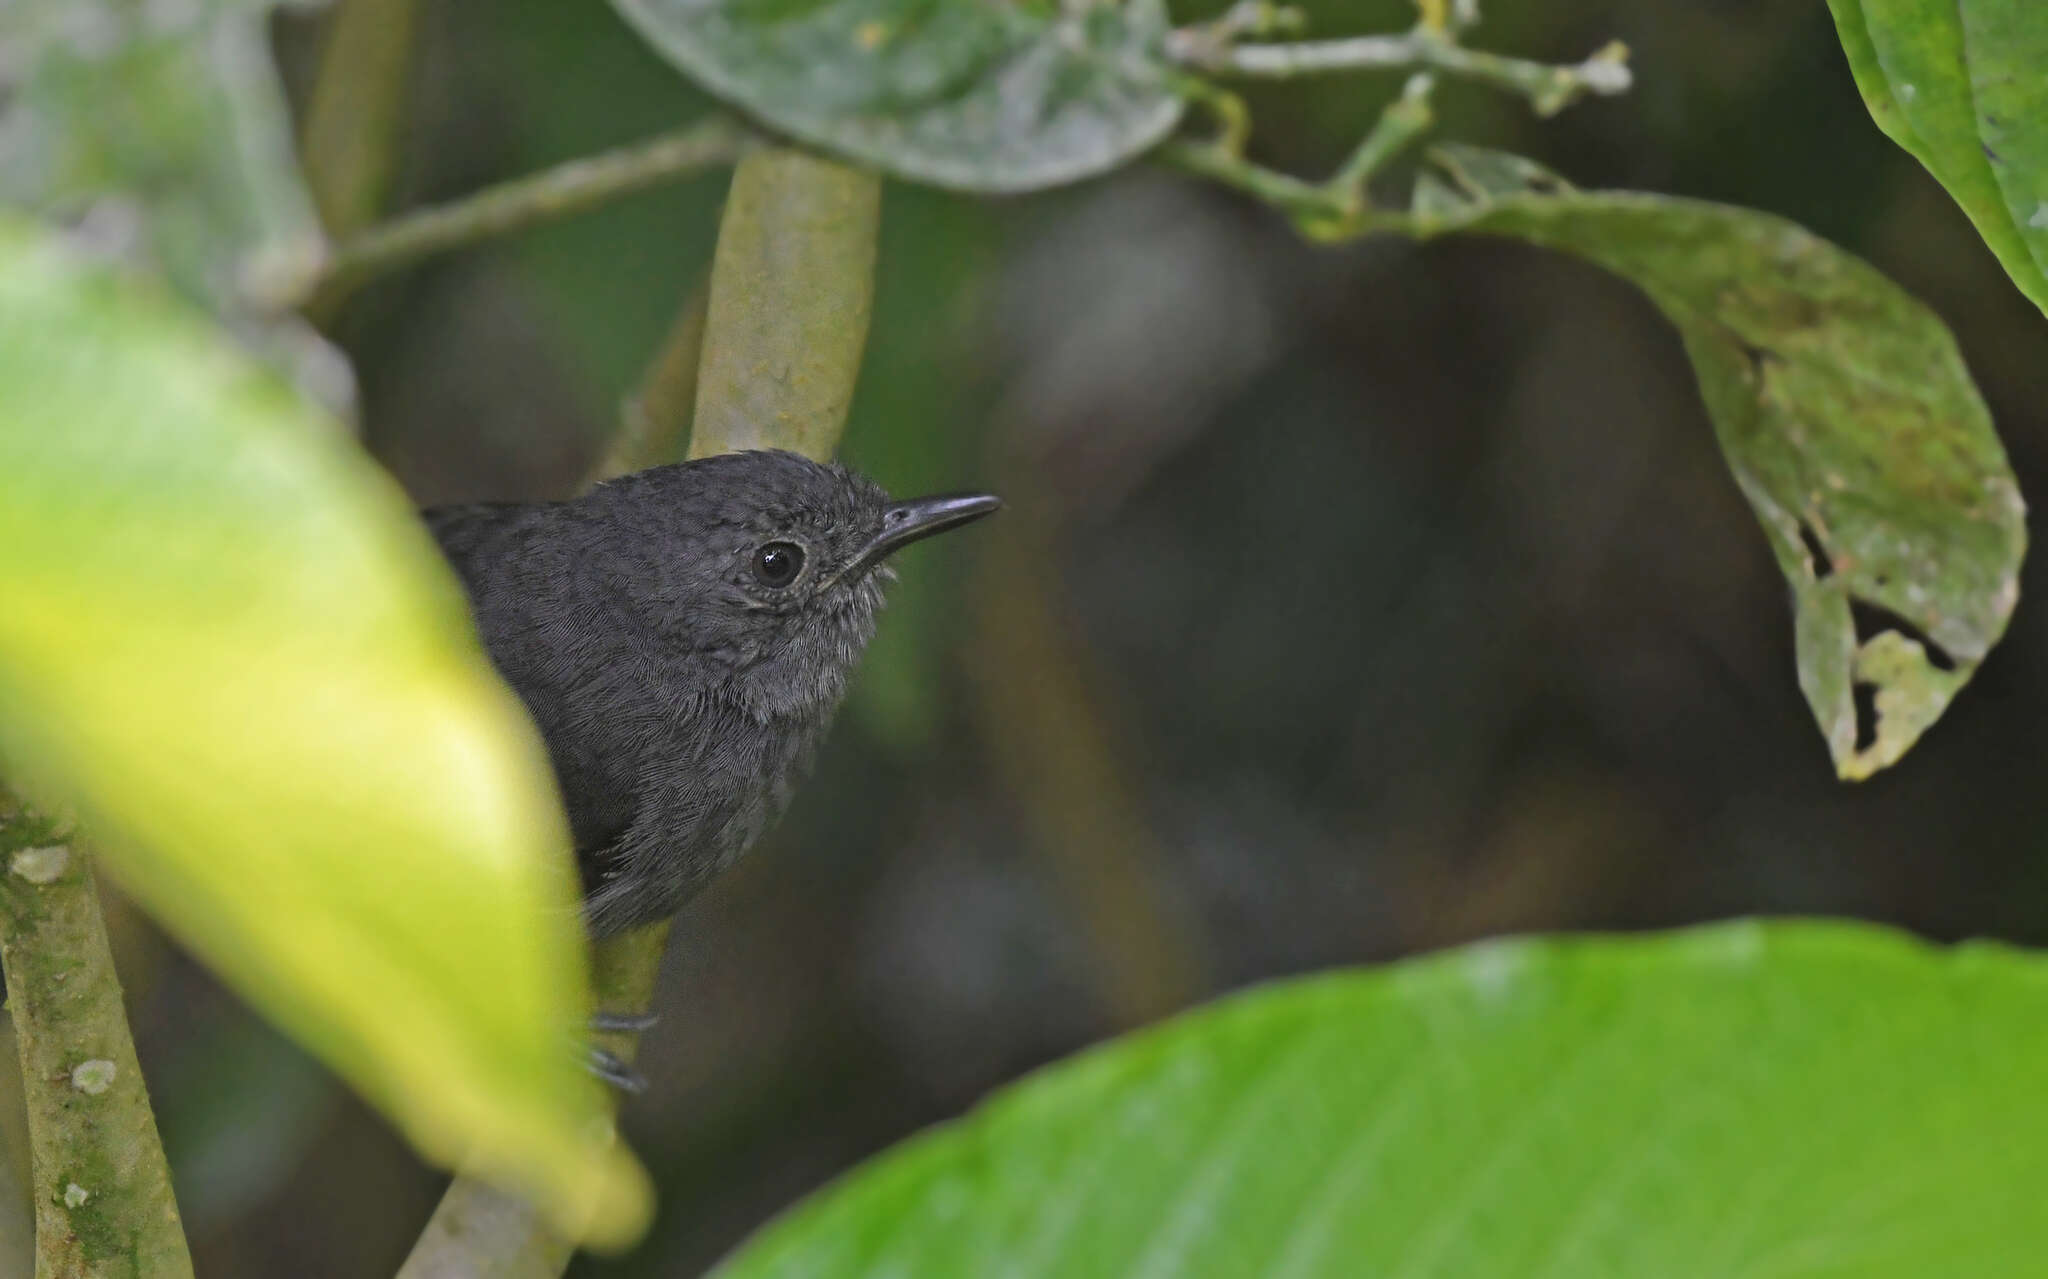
{"x": 919, "y": 518}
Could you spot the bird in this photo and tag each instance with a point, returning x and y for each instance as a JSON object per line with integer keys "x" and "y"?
{"x": 682, "y": 637}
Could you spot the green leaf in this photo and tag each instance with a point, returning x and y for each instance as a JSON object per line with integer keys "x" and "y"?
{"x": 1845, "y": 412}
{"x": 955, "y": 93}
{"x": 164, "y": 128}
{"x": 1748, "y": 1100}
{"x": 230, "y": 645}
{"x": 1959, "y": 84}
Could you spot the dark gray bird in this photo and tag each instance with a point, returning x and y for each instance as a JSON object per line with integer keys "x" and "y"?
{"x": 682, "y": 636}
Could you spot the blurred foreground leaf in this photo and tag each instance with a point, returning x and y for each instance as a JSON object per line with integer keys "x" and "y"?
{"x": 1797, "y": 1099}
{"x": 972, "y": 96}
{"x": 1844, "y": 410}
{"x": 1961, "y": 85}
{"x": 226, "y": 640}
{"x": 162, "y": 128}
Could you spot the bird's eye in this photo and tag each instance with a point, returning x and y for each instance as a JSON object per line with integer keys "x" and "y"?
{"x": 778, "y": 563}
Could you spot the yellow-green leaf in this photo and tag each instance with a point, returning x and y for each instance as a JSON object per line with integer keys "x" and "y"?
{"x": 228, "y": 643}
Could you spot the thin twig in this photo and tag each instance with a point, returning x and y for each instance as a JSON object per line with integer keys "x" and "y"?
{"x": 523, "y": 202}
{"x": 1289, "y": 194}
{"x": 1332, "y": 210}
{"x": 1549, "y": 88}
{"x": 1338, "y": 208}
{"x": 103, "y": 1199}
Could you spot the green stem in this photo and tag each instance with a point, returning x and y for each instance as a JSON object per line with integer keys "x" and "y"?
{"x": 1221, "y": 164}
{"x": 792, "y": 284}
{"x": 1323, "y": 211}
{"x": 349, "y": 141}
{"x": 103, "y": 1201}
{"x": 1407, "y": 118}
{"x": 523, "y": 202}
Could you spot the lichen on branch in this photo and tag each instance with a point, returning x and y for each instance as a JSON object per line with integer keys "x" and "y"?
{"x": 103, "y": 1202}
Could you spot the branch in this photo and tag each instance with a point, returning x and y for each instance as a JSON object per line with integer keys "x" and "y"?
{"x": 559, "y": 192}
{"x": 1338, "y": 208}
{"x": 103, "y": 1199}
{"x": 781, "y": 337}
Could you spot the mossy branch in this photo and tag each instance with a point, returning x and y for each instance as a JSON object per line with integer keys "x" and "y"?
{"x": 103, "y": 1201}
{"x": 773, "y": 352}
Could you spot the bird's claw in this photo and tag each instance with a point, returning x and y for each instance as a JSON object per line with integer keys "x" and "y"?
{"x": 612, "y": 1069}
{"x": 622, "y": 1023}
{"x": 608, "y": 1065}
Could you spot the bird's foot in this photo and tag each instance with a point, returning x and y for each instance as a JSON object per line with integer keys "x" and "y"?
{"x": 608, "y": 1065}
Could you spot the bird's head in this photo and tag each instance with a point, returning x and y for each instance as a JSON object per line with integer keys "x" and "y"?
{"x": 767, "y": 568}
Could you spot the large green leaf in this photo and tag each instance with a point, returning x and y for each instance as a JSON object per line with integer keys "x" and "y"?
{"x": 227, "y": 641}
{"x": 1963, "y": 85}
{"x": 1846, "y": 414}
{"x": 164, "y": 128}
{"x": 1793, "y": 1101}
{"x": 956, "y": 93}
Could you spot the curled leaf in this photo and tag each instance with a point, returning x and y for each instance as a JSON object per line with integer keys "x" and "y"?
{"x": 1847, "y": 416}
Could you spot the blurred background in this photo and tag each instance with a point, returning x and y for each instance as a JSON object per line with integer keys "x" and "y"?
{"x": 1349, "y": 603}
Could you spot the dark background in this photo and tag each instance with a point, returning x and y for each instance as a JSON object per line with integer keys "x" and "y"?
{"x": 1350, "y": 603}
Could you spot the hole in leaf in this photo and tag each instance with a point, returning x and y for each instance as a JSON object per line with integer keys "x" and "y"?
{"x": 1865, "y": 697}
{"x": 1816, "y": 555}
{"x": 1873, "y": 619}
